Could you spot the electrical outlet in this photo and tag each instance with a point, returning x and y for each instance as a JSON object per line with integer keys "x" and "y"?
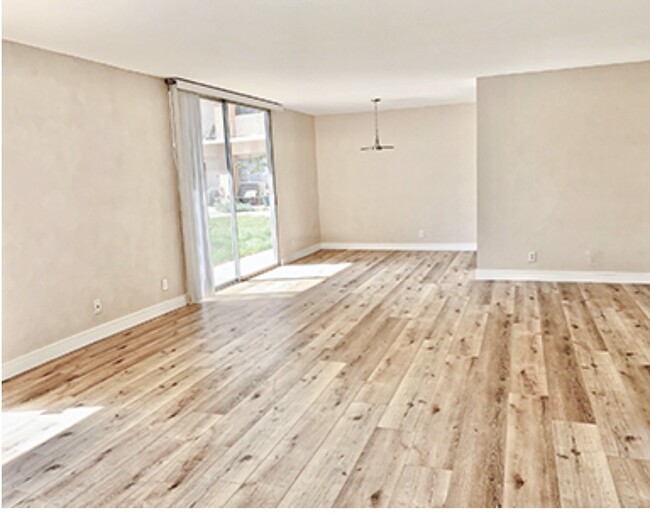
{"x": 532, "y": 256}
{"x": 164, "y": 284}
{"x": 594, "y": 256}
{"x": 421, "y": 233}
{"x": 97, "y": 305}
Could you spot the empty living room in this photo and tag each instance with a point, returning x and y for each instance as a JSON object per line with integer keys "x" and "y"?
{"x": 325, "y": 254}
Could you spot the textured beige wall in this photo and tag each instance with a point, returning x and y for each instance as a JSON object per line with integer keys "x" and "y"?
{"x": 89, "y": 195}
{"x": 294, "y": 159}
{"x": 564, "y": 169}
{"x": 428, "y": 182}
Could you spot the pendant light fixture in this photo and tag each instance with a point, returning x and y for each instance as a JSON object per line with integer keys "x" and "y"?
{"x": 377, "y": 146}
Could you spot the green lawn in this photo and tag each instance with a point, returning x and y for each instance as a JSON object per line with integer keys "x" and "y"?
{"x": 254, "y": 236}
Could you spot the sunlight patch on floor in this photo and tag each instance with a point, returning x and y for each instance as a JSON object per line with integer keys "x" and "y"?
{"x": 311, "y": 270}
{"x": 276, "y": 288}
{"x": 23, "y": 431}
{"x": 284, "y": 281}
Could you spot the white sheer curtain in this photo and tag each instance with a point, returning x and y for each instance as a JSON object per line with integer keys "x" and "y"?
{"x": 188, "y": 155}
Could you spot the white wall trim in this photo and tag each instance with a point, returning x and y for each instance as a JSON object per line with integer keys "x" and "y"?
{"x": 69, "y": 344}
{"x": 300, "y": 254}
{"x": 398, "y": 246}
{"x": 563, "y": 276}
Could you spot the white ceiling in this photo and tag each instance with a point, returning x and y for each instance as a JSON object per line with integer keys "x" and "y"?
{"x": 329, "y": 56}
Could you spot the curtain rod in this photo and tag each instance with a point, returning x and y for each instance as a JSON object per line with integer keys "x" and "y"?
{"x": 221, "y": 93}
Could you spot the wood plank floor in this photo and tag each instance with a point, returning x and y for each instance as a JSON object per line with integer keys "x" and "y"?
{"x": 349, "y": 379}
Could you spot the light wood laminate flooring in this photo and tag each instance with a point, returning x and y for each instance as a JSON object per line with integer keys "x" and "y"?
{"x": 349, "y": 379}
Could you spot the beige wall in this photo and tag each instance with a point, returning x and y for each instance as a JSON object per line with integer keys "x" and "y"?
{"x": 428, "y": 182}
{"x": 294, "y": 158}
{"x": 89, "y": 196}
{"x": 564, "y": 169}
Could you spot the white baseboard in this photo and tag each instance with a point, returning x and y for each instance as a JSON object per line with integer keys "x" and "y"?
{"x": 396, "y": 246}
{"x": 374, "y": 246}
{"x": 300, "y": 254}
{"x": 563, "y": 276}
{"x": 69, "y": 344}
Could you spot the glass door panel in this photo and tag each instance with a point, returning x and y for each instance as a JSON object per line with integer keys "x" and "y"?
{"x": 219, "y": 193}
{"x": 253, "y": 188}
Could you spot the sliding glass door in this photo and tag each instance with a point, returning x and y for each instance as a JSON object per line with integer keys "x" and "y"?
{"x": 253, "y": 187}
{"x": 239, "y": 193}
